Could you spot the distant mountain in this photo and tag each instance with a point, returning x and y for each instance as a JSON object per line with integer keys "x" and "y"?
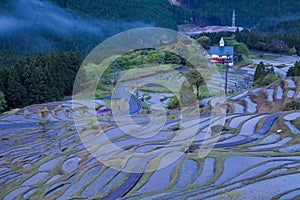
{"x": 290, "y": 26}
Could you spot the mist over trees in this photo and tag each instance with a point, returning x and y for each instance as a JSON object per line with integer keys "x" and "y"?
{"x": 34, "y": 25}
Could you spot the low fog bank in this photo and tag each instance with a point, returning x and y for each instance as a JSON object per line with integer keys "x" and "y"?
{"x": 33, "y": 25}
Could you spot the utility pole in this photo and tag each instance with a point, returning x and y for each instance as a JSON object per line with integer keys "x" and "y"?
{"x": 137, "y": 87}
{"x": 117, "y": 71}
{"x": 226, "y": 74}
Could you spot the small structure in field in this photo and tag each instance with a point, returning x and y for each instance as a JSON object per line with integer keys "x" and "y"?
{"x": 222, "y": 54}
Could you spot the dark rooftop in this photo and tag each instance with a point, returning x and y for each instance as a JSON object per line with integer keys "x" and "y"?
{"x": 221, "y": 50}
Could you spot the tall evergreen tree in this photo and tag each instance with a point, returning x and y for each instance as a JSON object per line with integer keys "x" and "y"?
{"x": 2, "y": 102}
{"x": 294, "y": 71}
{"x": 194, "y": 78}
{"x": 16, "y": 91}
{"x": 259, "y": 72}
{"x": 264, "y": 75}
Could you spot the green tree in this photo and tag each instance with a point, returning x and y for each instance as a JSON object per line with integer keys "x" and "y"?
{"x": 194, "y": 77}
{"x": 174, "y": 103}
{"x": 16, "y": 91}
{"x": 294, "y": 71}
{"x": 293, "y": 105}
{"x": 269, "y": 78}
{"x": 204, "y": 41}
{"x": 239, "y": 47}
{"x": 2, "y": 102}
{"x": 293, "y": 51}
{"x": 43, "y": 123}
{"x": 3, "y": 79}
{"x": 259, "y": 72}
{"x": 171, "y": 58}
{"x": 187, "y": 95}
{"x": 36, "y": 85}
{"x": 264, "y": 75}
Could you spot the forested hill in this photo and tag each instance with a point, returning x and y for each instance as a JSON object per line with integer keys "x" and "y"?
{"x": 29, "y": 26}
{"x": 158, "y": 12}
{"x": 249, "y": 13}
{"x": 33, "y": 25}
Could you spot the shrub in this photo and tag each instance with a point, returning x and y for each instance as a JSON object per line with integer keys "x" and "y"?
{"x": 264, "y": 75}
{"x": 163, "y": 99}
{"x": 174, "y": 103}
{"x": 43, "y": 123}
{"x": 193, "y": 148}
{"x": 218, "y": 128}
{"x": 293, "y": 105}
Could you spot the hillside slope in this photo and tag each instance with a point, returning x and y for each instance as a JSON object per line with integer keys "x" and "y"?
{"x": 164, "y": 14}
{"x": 67, "y": 160}
{"x": 35, "y": 25}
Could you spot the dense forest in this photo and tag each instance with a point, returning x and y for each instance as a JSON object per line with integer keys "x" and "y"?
{"x": 271, "y": 42}
{"x": 43, "y": 78}
{"x": 163, "y": 14}
{"x": 46, "y": 77}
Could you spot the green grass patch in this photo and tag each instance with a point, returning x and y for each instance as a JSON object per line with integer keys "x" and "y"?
{"x": 145, "y": 105}
{"x": 221, "y": 68}
{"x": 163, "y": 99}
{"x": 262, "y": 55}
{"x": 247, "y": 60}
{"x": 147, "y": 97}
{"x": 142, "y": 103}
{"x": 175, "y": 174}
{"x": 101, "y": 93}
{"x": 204, "y": 92}
{"x": 142, "y": 72}
{"x": 154, "y": 89}
{"x": 157, "y": 89}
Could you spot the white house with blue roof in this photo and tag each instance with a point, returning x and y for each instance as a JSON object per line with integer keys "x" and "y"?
{"x": 222, "y": 54}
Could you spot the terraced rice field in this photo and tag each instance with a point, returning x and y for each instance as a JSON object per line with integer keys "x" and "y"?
{"x": 256, "y": 157}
